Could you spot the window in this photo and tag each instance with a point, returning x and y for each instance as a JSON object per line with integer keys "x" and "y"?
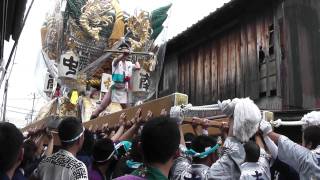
{"x": 268, "y": 67}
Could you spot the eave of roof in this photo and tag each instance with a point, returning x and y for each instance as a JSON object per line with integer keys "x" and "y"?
{"x": 221, "y": 16}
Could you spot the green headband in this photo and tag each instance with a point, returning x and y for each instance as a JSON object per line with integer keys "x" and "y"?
{"x": 126, "y": 144}
{"x": 204, "y": 154}
{"x": 133, "y": 165}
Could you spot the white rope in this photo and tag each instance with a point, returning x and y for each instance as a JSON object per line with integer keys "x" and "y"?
{"x": 181, "y": 111}
{"x": 208, "y": 106}
{"x": 204, "y": 109}
{"x": 279, "y": 122}
{"x": 310, "y": 119}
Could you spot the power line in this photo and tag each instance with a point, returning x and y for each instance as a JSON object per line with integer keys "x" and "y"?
{"x": 23, "y": 98}
{"x": 14, "y": 59}
{"x": 18, "y": 112}
{"x": 5, "y": 93}
{"x": 19, "y": 108}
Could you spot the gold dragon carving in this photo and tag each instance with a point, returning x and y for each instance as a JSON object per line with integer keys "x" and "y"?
{"x": 94, "y": 15}
{"x": 141, "y": 30}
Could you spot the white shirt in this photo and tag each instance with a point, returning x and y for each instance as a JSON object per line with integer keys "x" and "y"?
{"x": 227, "y": 167}
{"x": 123, "y": 68}
{"x": 61, "y": 165}
{"x": 259, "y": 170}
{"x": 120, "y": 93}
{"x": 304, "y": 161}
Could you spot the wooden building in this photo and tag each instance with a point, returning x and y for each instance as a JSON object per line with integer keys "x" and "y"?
{"x": 268, "y": 50}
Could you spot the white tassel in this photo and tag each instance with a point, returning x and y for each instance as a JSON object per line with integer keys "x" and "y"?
{"x": 227, "y": 106}
{"x": 311, "y": 119}
{"x": 247, "y": 117}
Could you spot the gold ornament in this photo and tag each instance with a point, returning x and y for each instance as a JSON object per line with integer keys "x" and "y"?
{"x": 94, "y": 17}
{"x": 107, "y": 83}
{"x": 140, "y": 28}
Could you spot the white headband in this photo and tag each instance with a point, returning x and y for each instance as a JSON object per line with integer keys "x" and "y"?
{"x": 109, "y": 157}
{"x": 73, "y": 139}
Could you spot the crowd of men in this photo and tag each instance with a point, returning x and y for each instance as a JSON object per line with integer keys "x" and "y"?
{"x": 156, "y": 148}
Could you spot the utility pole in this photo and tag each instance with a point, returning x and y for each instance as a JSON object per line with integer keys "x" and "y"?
{"x": 5, "y": 101}
{"x": 32, "y": 110}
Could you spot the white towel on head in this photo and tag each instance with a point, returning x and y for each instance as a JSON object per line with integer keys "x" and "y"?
{"x": 247, "y": 117}
{"x": 311, "y": 119}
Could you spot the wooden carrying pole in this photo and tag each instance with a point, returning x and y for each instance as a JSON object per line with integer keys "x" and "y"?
{"x": 131, "y": 52}
{"x": 155, "y": 106}
{"x": 214, "y": 125}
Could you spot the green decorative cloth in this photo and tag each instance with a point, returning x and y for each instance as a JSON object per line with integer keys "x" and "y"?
{"x": 158, "y": 16}
{"x": 156, "y": 32}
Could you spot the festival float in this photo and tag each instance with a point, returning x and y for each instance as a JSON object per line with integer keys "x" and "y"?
{"x": 80, "y": 40}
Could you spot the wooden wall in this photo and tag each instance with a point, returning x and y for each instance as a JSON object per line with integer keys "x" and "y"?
{"x": 301, "y": 81}
{"x": 225, "y": 66}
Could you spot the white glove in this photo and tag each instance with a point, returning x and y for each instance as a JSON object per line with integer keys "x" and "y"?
{"x": 265, "y": 127}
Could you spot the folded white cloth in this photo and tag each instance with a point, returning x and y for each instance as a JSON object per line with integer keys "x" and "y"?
{"x": 227, "y": 106}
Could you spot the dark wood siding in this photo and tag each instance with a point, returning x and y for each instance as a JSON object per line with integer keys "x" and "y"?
{"x": 302, "y": 55}
{"x": 226, "y": 61}
{"x": 225, "y": 66}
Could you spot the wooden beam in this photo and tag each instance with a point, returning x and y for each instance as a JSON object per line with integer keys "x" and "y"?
{"x": 214, "y": 125}
{"x": 155, "y": 106}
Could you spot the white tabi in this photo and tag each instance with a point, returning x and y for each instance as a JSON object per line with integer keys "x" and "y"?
{"x": 306, "y": 162}
{"x": 257, "y": 171}
{"x": 228, "y": 166}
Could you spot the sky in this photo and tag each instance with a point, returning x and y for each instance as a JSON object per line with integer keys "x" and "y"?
{"x": 26, "y": 80}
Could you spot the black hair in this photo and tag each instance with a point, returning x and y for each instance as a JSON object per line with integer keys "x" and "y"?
{"x": 135, "y": 153}
{"x": 122, "y": 168}
{"x": 30, "y": 161}
{"x": 160, "y": 139}
{"x": 126, "y": 44}
{"x": 102, "y": 149}
{"x": 189, "y": 137}
{"x": 11, "y": 140}
{"x": 30, "y": 150}
{"x": 312, "y": 135}
{"x": 252, "y": 151}
{"x": 200, "y": 143}
{"x": 69, "y": 128}
{"x": 88, "y": 143}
